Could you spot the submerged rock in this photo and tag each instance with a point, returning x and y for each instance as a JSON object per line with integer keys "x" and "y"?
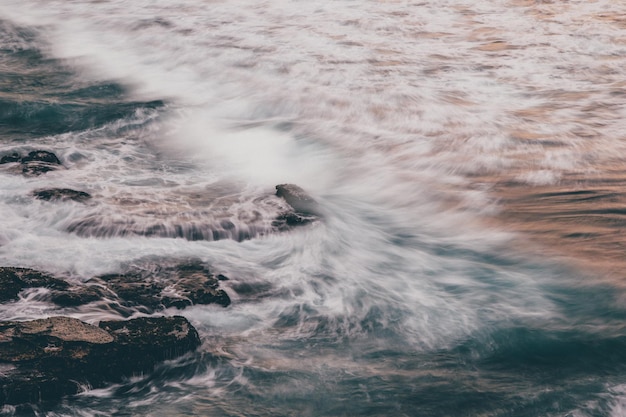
{"x": 14, "y": 280}
{"x": 141, "y": 343}
{"x": 150, "y": 289}
{"x": 62, "y": 194}
{"x": 39, "y": 162}
{"x": 179, "y": 286}
{"x": 77, "y": 296}
{"x": 41, "y": 156}
{"x": 47, "y": 359}
{"x": 12, "y": 157}
{"x": 35, "y": 163}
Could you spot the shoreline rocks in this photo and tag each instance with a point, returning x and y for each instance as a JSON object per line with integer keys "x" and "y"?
{"x": 34, "y": 163}
{"x": 46, "y": 359}
{"x": 62, "y": 194}
{"x": 14, "y": 280}
{"x": 149, "y": 290}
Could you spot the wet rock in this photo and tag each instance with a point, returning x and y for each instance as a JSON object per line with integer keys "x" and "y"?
{"x": 41, "y": 156}
{"x": 179, "y": 286}
{"x": 48, "y": 355}
{"x": 290, "y": 219}
{"x": 61, "y": 194}
{"x": 141, "y": 343}
{"x": 35, "y": 163}
{"x": 46, "y": 359}
{"x": 305, "y": 209}
{"x": 39, "y": 162}
{"x": 196, "y": 285}
{"x": 13, "y": 157}
{"x": 77, "y": 296}
{"x": 14, "y": 280}
{"x": 133, "y": 289}
{"x": 297, "y": 198}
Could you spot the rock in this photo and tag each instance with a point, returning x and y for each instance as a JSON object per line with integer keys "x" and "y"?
{"x": 149, "y": 290}
{"x": 47, "y": 359}
{"x": 62, "y": 194}
{"x": 13, "y": 157}
{"x": 297, "y": 198}
{"x": 48, "y": 355}
{"x": 196, "y": 285}
{"x": 141, "y": 343}
{"x": 39, "y": 162}
{"x": 133, "y": 289}
{"x": 77, "y": 296}
{"x": 41, "y": 156}
{"x": 286, "y": 220}
{"x": 188, "y": 283}
{"x": 14, "y": 280}
{"x": 305, "y": 209}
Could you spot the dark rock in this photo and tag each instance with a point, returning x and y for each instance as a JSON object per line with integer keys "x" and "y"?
{"x": 297, "y": 198}
{"x": 14, "y": 280}
{"x": 62, "y": 194}
{"x": 189, "y": 283}
{"x": 77, "y": 296}
{"x": 290, "y": 219}
{"x": 134, "y": 289}
{"x": 141, "y": 343}
{"x": 14, "y": 157}
{"x": 39, "y": 162}
{"x": 41, "y": 156}
{"x": 196, "y": 285}
{"x": 47, "y": 359}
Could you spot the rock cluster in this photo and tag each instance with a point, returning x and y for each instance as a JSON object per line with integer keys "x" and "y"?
{"x": 178, "y": 286}
{"x": 34, "y": 163}
{"x": 63, "y": 194}
{"x": 46, "y": 359}
{"x": 43, "y": 360}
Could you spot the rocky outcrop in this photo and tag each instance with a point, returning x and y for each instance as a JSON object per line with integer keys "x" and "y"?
{"x": 35, "y": 163}
{"x": 180, "y": 286}
{"x": 299, "y": 199}
{"x": 305, "y": 208}
{"x": 62, "y": 194}
{"x": 149, "y": 289}
{"x": 14, "y": 280}
{"x": 46, "y": 359}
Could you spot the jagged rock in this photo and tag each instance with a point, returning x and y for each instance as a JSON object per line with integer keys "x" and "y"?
{"x": 39, "y": 162}
{"x": 47, "y": 359}
{"x": 196, "y": 285}
{"x": 297, "y": 198}
{"x": 41, "y": 156}
{"x": 305, "y": 208}
{"x": 61, "y": 194}
{"x": 35, "y": 163}
{"x": 14, "y": 280}
{"x": 179, "y": 286}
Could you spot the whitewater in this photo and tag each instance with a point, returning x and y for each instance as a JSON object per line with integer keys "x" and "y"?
{"x": 467, "y": 158}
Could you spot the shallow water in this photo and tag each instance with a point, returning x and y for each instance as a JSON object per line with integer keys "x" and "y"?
{"x": 466, "y": 158}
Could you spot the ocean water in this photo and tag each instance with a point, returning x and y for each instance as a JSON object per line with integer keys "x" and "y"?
{"x": 467, "y": 157}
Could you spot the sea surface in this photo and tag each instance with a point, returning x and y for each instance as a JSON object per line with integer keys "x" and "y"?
{"x": 468, "y": 158}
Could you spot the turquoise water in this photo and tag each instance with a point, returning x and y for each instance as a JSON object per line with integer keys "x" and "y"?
{"x": 402, "y": 301}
